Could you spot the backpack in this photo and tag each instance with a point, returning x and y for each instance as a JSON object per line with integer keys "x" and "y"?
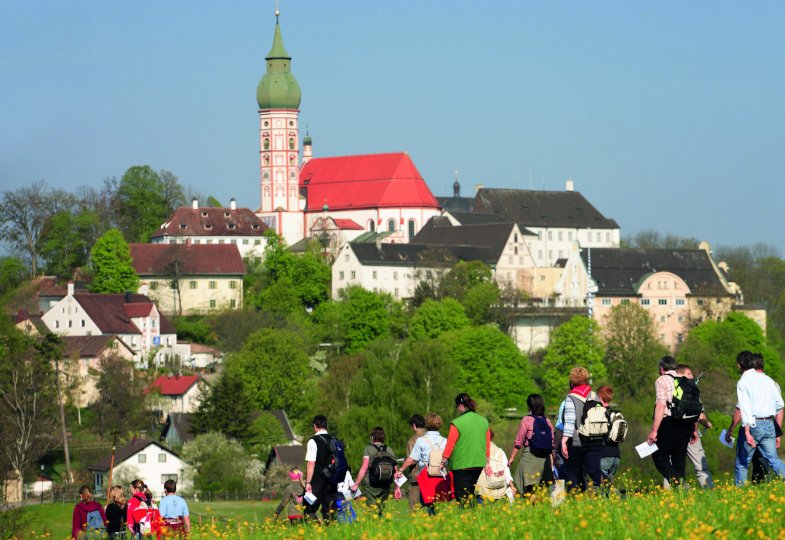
{"x": 95, "y": 526}
{"x": 381, "y": 471}
{"x": 541, "y": 441}
{"x": 686, "y": 403}
{"x": 147, "y": 519}
{"x": 498, "y": 477}
{"x": 593, "y": 425}
{"x": 337, "y": 466}
{"x": 617, "y": 431}
{"x": 435, "y": 456}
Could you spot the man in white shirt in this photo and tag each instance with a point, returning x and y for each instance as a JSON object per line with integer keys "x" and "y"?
{"x": 759, "y": 402}
{"x": 317, "y": 456}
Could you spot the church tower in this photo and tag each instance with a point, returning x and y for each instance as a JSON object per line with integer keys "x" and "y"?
{"x": 278, "y": 96}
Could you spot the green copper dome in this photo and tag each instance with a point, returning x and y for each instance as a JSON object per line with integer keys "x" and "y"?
{"x": 278, "y": 88}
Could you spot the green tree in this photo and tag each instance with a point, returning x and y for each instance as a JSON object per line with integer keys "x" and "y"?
{"x": 221, "y": 465}
{"x": 578, "y": 342}
{"x": 213, "y": 202}
{"x": 462, "y": 277}
{"x": 145, "y": 199}
{"x": 632, "y": 349}
{"x": 428, "y": 376}
{"x": 227, "y": 409}
{"x": 434, "y": 317}
{"x": 111, "y": 265}
{"x": 66, "y": 240}
{"x": 264, "y": 432}
{"x": 121, "y": 402}
{"x": 12, "y": 273}
{"x": 364, "y": 317}
{"x": 481, "y": 302}
{"x": 490, "y": 365}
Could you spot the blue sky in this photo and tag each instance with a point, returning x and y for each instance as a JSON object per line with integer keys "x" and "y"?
{"x": 667, "y": 115}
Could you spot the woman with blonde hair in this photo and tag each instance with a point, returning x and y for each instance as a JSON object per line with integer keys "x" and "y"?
{"x": 116, "y": 513}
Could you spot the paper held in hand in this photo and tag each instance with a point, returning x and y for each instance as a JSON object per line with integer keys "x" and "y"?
{"x": 310, "y": 498}
{"x": 345, "y": 488}
{"x": 723, "y": 441}
{"x": 401, "y": 480}
{"x": 645, "y": 449}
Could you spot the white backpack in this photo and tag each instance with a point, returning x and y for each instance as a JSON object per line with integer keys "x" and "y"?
{"x": 618, "y": 430}
{"x": 593, "y": 423}
{"x": 434, "y": 458}
{"x": 498, "y": 477}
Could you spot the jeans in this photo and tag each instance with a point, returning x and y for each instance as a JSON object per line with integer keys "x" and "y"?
{"x": 766, "y": 444}
{"x": 609, "y": 466}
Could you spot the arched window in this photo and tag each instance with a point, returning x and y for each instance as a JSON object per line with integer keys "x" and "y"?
{"x": 411, "y": 229}
{"x": 391, "y": 225}
{"x": 266, "y": 143}
{"x": 291, "y": 143}
{"x": 371, "y": 225}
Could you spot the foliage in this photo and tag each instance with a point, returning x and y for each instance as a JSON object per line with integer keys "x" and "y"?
{"x": 66, "y": 240}
{"x": 194, "y": 329}
{"x": 145, "y": 198}
{"x": 121, "y": 404}
{"x": 651, "y": 239}
{"x": 12, "y": 273}
{"x": 221, "y": 464}
{"x": 462, "y": 277}
{"x": 428, "y": 376}
{"x": 433, "y": 318}
{"x": 264, "y": 432}
{"x": 227, "y": 409}
{"x": 112, "y": 266}
{"x": 360, "y": 317}
{"x": 578, "y": 342}
{"x": 632, "y": 349}
{"x": 480, "y": 302}
{"x": 213, "y": 202}
{"x": 232, "y": 327}
{"x": 490, "y": 365}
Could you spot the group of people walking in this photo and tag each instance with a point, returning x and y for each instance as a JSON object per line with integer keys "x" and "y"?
{"x": 135, "y": 517}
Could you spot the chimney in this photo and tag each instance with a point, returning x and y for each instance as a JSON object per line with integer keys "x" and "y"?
{"x": 568, "y": 185}
{"x": 195, "y": 203}
{"x": 144, "y": 288}
{"x": 232, "y": 204}
{"x": 70, "y": 288}
{"x": 127, "y": 297}
{"x": 478, "y": 187}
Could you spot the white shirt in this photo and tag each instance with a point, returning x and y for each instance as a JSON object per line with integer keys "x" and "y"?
{"x": 758, "y": 395}
{"x": 310, "y": 448}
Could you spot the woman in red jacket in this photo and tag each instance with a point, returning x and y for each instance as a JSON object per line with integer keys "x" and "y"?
{"x": 89, "y": 517}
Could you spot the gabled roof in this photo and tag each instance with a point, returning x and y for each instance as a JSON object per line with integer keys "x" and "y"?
{"x": 620, "y": 271}
{"x": 492, "y": 236}
{"x": 193, "y": 259}
{"x": 172, "y": 385}
{"x": 347, "y": 224}
{"x": 476, "y": 218}
{"x": 109, "y": 312}
{"x": 542, "y": 208}
{"x": 139, "y": 310}
{"x": 288, "y": 455}
{"x": 126, "y": 451}
{"x": 89, "y": 346}
{"x": 209, "y": 221}
{"x": 367, "y": 181}
{"x": 280, "y": 415}
{"x": 420, "y": 254}
{"x": 182, "y": 425}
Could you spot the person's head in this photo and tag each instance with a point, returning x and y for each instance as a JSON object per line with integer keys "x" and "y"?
{"x": 85, "y": 493}
{"x": 319, "y": 422}
{"x": 465, "y": 403}
{"x": 378, "y": 435}
{"x": 536, "y": 404}
{"x": 757, "y": 359}
{"x": 606, "y": 394}
{"x": 417, "y": 422}
{"x": 433, "y": 422}
{"x": 170, "y": 486}
{"x": 684, "y": 370}
{"x": 117, "y": 496}
{"x": 296, "y": 474}
{"x": 578, "y": 376}
{"x": 745, "y": 361}
{"x": 667, "y": 363}
{"x": 137, "y": 486}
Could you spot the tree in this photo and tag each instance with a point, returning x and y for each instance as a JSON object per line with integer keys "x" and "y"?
{"x": 23, "y": 213}
{"x": 481, "y": 302}
{"x": 121, "y": 402}
{"x": 490, "y": 365}
{"x": 12, "y": 274}
{"x": 429, "y": 376}
{"x": 364, "y": 318}
{"x": 66, "y": 240}
{"x": 112, "y": 266}
{"x": 462, "y": 277}
{"x": 433, "y": 318}
{"x": 227, "y": 409}
{"x": 632, "y": 349}
{"x": 213, "y": 202}
{"x": 264, "y": 432}
{"x": 578, "y": 342}
{"x": 144, "y": 201}
{"x": 221, "y": 464}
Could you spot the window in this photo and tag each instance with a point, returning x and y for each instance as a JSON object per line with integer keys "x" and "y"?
{"x": 560, "y": 236}
{"x": 550, "y": 235}
{"x": 539, "y": 254}
{"x": 515, "y": 237}
{"x": 346, "y": 257}
{"x": 625, "y": 301}
{"x": 374, "y": 274}
{"x": 509, "y": 259}
{"x": 257, "y": 242}
{"x": 213, "y": 284}
{"x": 340, "y": 275}
{"x": 353, "y": 274}
{"x": 680, "y": 338}
{"x": 395, "y": 275}
{"x": 173, "y": 284}
{"x": 165, "y": 477}
{"x": 662, "y": 302}
{"x": 606, "y": 301}
{"x": 700, "y": 301}
{"x": 662, "y": 318}
{"x": 212, "y": 303}
{"x": 681, "y": 318}
{"x": 607, "y": 237}
{"x": 141, "y": 458}
{"x": 662, "y": 338}
{"x": 161, "y": 458}
{"x": 83, "y": 323}
{"x": 57, "y": 324}
{"x": 291, "y": 143}
{"x": 192, "y": 284}
{"x": 680, "y": 301}
{"x": 550, "y": 254}
{"x": 245, "y": 241}
{"x": 266, "y": 143}
{"x": 152, "y": 323}
{"x": 371, "y": 225}
{"x": 70, "y": 323}
{"x": 232, "y": 303}
{"x": 391, "y": 225}
{"x": 516, "y": 249}
{"x": 232, "y": 284}
{"x": 645, "y": 301}
{"x": 569, "y": 236}
{"x": 396, "y": 292}
{"x": 411, "y": 229}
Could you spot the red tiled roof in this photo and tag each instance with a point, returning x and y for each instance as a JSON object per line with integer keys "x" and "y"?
{"x": 368, "y": 181}
{"x": 173, "y": 385}
{"x": 348, "y": 224}
{"x": 194, "y": 259}
{"x": 138, "y": 310}
{"x": 108, "y": 311}
{"x": 189, "y": 221}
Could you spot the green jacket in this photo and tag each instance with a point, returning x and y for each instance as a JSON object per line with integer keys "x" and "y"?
{"x": 469, "y": 450}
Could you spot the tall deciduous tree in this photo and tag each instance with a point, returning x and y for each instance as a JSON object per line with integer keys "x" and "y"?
{"x": 632, "y": 349}
{"x": 145, "y": 199}
{"x": 578, "y": 342}
{"x": 120, "y": 406}
{"x": 111, "y": 265}
{"x": 227, "y": 409}
{"x": 66, "y": 240}
{"x": 23, "y": 213}
{"x": 433, "y": 318}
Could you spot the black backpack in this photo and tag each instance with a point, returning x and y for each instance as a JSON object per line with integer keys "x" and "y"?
{"x": 381, "y": 469}
{"x": 686, "y": 403}
{"x": 541, "y": 442}
{"x": 337, "y": 466}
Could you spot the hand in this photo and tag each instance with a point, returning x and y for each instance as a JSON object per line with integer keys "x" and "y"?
{"x": 564, "y": 448}
{"x": 778, "y": 442}
{"x": 709, "y": 425}
{"x": 308, "y": 487}
{"x": 694, "y": 437}
{"x": 652, "y": 438}
{"x": 488, "y": 469}
{"x": 728, "y": 436}
{"x": 354, "y": 487}
{"x": 397, "y": 492}
{"x": 750, "y": 440}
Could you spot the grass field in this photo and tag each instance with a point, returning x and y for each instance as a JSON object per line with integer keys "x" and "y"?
{"x": 725, "y": 512}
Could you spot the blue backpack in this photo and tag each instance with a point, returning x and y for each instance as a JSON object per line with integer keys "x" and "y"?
{"x": 337, "y": 466}
{"x": 95, "y": 527}
{"x": 541, "y": 442}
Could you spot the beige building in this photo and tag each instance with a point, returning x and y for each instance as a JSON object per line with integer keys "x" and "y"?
{"x": 83, "y": 355}
{"x": 189, "y": 279}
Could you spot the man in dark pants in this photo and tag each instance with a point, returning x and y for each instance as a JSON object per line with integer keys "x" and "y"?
{"x": 317, "y": 457}
{"x": 417, "y": 423}
{"x": 672, "y": 436}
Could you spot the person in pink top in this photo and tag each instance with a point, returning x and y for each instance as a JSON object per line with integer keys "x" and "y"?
{"x": 535, "y": 443}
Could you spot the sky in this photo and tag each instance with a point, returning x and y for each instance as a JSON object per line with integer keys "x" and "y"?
{"x": 667, "y": 115}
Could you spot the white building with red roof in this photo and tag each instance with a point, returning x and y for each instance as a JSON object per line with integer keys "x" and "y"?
{"x": 375, "y": 192}
{"x": 175, "y": 393}
{"x": 190, "y": 278}
{"x": 133, "y": 318}
{"x": 213, "y": 225}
